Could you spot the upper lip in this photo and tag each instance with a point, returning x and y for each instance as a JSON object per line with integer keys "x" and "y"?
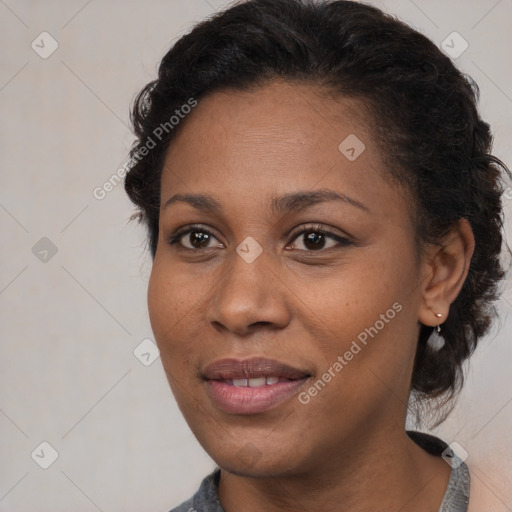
{"x": 251, "y": 368}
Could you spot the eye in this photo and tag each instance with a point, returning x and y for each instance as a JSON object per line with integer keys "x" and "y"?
{"x": 194, "y": 237}
{"x": 315, "y": 238}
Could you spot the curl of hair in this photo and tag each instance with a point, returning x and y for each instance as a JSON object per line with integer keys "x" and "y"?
{"x": 423, "y": 116}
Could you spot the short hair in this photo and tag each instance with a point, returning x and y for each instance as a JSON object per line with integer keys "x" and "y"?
{"x": 424, "y": 118}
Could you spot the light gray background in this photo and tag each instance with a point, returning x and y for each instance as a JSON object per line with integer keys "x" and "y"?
{"x": 70, "y": 325}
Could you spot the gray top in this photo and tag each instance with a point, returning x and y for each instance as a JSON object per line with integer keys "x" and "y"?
{"x": 456, "y": 497}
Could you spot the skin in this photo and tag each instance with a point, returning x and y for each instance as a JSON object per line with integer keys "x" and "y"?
{"x": 347, "y": 448}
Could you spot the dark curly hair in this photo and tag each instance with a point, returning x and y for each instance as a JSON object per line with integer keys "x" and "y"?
{"x": 424, "y": 119}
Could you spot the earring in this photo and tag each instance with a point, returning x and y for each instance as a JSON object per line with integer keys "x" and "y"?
{"x": 438, "y": 328}
{"x": 436, "y": 342}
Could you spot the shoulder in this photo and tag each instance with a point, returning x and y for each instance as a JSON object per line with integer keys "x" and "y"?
{"x": 186, "y": 506}
{"x": 206, "y": 499}
{"x": 456, "y": 497}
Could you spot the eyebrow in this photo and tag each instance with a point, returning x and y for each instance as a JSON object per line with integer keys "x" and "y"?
{"x": 287, "y": 203}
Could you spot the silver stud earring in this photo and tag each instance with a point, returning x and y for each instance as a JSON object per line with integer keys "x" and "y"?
{"x": 436, "y": 342}
{"x": 438, "y": 328}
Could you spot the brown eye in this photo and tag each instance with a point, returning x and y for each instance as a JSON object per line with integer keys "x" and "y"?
{"x": 194, "y": 238}
{"x": 316, "y": 239}
{"x": 198, "y": 239}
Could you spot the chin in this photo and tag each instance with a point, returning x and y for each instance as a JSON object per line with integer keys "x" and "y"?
{"x": 255, "y": 459}
{"x": 258, "y": 469}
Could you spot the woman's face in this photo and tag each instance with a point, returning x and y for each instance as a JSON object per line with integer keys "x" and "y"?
{"x": 287, "y": 316}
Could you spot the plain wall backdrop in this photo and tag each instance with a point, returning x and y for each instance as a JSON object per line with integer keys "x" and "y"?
{"x": 74, "y": 271}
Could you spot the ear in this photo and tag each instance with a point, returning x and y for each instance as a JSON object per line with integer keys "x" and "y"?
{"x": 445, "y": 268}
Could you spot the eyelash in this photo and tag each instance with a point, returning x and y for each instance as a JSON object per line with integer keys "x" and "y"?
{"x": 342, "y": 241}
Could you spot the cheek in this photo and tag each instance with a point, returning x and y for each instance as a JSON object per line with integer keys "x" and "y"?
{"x": 353, "y": 298}
{"x": 162, "y": 303}
{"x": 172, "y": 300}
{"x": 366, "y": 315}
{"x": 168, "y": 307}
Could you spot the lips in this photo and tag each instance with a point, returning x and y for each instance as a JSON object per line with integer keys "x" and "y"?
{"x": 251, "y": 386}
{"x": 229, "y": 369}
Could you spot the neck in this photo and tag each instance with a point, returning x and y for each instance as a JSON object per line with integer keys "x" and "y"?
{"x": 384, "y": 472}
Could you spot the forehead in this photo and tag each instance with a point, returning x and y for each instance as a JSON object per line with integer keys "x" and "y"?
{"x": 283, "y": 116}
{"x": 271, "y": 141}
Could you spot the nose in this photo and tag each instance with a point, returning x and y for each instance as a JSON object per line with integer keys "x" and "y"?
{"x": 248, "y": 295}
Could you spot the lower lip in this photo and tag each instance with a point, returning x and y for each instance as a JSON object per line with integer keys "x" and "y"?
{"x": 246, "y": 400}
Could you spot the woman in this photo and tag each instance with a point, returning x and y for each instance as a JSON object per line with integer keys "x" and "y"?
{"x": 325, "y": 221}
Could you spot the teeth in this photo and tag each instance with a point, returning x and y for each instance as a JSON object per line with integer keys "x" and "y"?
{"x": 257, "y": 382}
